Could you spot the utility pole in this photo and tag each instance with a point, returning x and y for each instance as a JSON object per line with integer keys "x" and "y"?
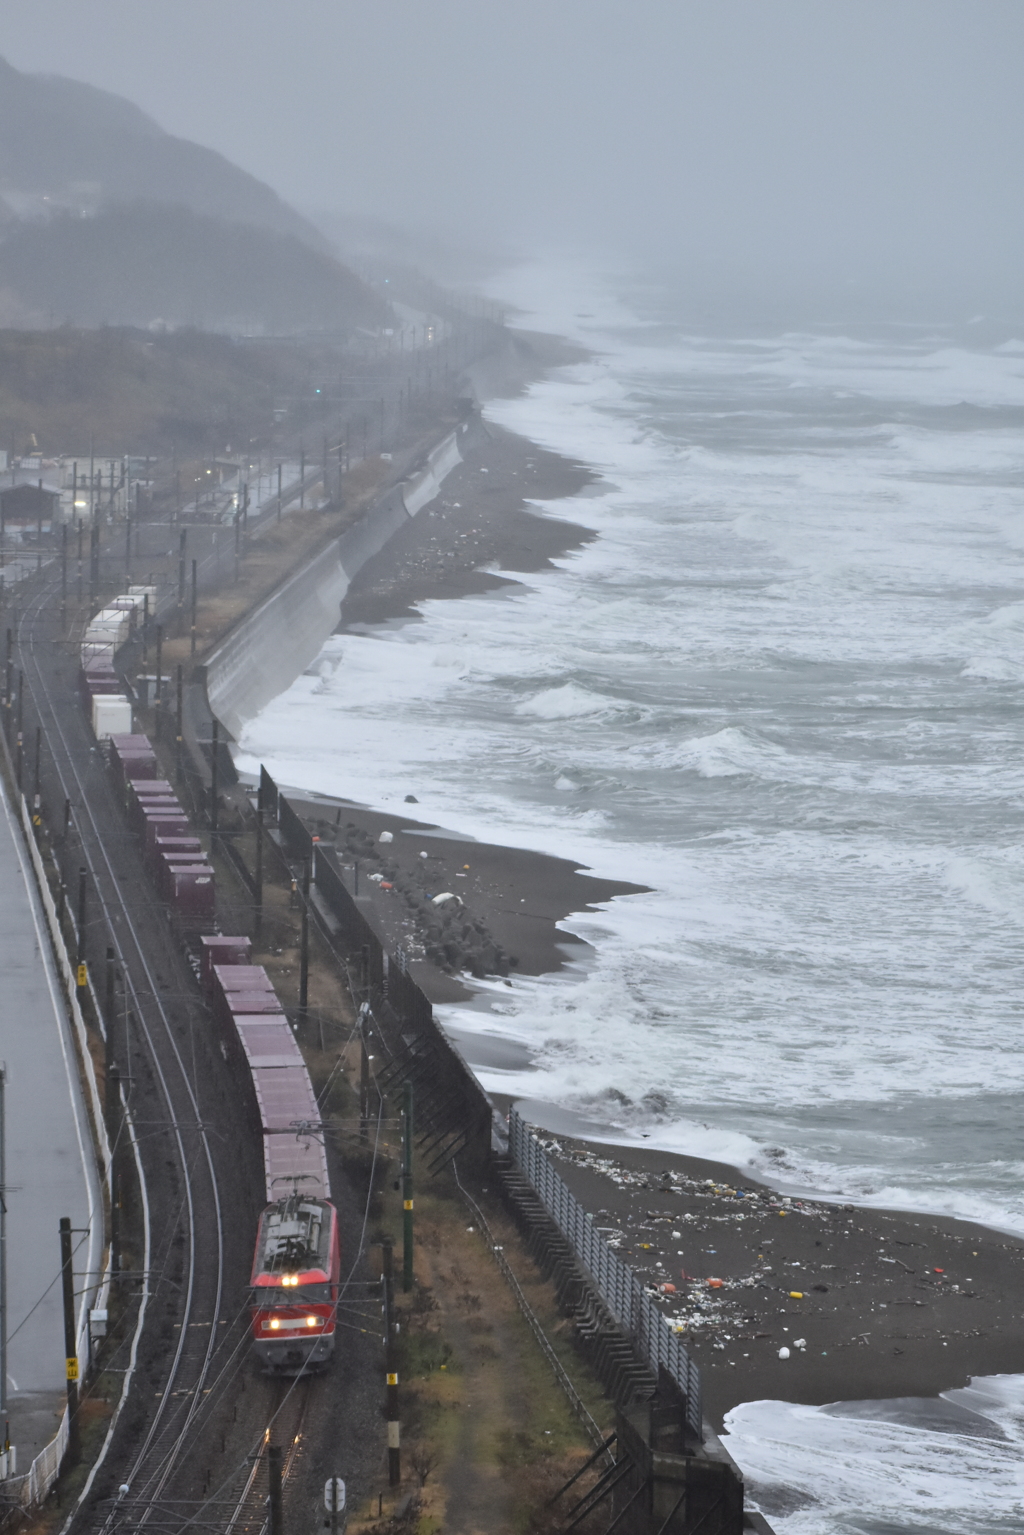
{"x": 214, "y": 787}
{"x": 36, "y": 776}
{"x": 302, "y": 478}
{"x": 178, "y": 725}
{"x": 18, "y": 720}
{"x": 407, "y": 1130}
{"x": 391, "y": 1369}
{"x": 304, "y": 946}
{"x": 159, "y": 678}
{"x": 82, "y": 977}
{"x": 110, "y": 1012}
{"x": 3, "y": 1248}
{"x": 257, "y": 927}
{"x": 182, "y": 541}
{"x": 279, "y": 492}
{"x": 195, "y": 570}
{"x": 70, "y": 1340}
{"x": 364, "y": 1074}
{"x": 113, "y": 1093}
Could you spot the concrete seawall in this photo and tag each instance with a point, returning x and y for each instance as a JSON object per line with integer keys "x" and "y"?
{"x": 265, "y": 652}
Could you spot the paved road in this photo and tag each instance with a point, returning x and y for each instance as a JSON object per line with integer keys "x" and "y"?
{"x": 50, "y": 1166}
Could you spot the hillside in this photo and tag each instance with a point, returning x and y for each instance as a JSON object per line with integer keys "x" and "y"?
{"x": 145, "y": 264}
{"x": 185, "y": 392}
{"x": 64, "y": 144}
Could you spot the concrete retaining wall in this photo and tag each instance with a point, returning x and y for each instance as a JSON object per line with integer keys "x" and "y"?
{"x": 275, "y": 643}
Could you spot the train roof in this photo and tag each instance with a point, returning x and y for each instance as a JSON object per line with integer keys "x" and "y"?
{"x": 293, "y": 1151}
{"x": 294, "y": 1234}
{"x": 267, "y": 1040}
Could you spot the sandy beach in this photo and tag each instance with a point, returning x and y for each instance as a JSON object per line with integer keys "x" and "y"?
{"x": 869, "y": 1303}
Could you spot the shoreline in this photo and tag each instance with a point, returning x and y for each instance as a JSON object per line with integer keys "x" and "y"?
{"x": 960, "y": 1324}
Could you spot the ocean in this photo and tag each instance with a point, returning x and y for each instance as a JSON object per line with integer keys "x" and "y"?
{"x": 782, "y": 688}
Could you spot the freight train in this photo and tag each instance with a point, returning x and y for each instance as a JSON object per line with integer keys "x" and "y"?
{"x": 297, "y": 1258}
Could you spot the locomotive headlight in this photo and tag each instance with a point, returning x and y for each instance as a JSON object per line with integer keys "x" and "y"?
{"x": 311, "y": 1321}
{"x": 274, "y": 1324}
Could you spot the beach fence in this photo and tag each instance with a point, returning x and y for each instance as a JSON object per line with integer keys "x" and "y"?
{"x": 631, "y": 1305}
{"x": 453, "y": 1113}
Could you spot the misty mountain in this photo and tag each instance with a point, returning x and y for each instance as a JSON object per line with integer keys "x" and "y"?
{"x": 67, "y": 145}
{"x": 147, "y": 264}
{"x": 105, "y": 219}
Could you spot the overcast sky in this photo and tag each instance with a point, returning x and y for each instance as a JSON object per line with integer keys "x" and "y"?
{"x": 866, "y": 140}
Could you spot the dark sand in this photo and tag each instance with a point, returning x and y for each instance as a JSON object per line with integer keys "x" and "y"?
{"x": 479, "y": 519}
{"x": 876, "y": 1317}
{"x": 511, "y": 899}
{"x": 862, "y": 1288}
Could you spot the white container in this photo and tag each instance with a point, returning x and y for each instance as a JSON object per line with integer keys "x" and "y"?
{"x": 111, "y": 716}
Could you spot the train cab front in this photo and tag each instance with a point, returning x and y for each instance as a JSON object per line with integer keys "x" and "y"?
{"x": 295, "y": 1286}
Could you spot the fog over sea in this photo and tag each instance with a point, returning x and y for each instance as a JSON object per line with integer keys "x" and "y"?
{"x": 782, "y": 688}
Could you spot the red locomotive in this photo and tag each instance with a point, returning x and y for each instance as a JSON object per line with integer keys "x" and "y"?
{"x": 295, "y": 1277}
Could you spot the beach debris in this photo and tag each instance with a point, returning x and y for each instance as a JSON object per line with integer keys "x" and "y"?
{"x": 800, "y": 1343}
{"x": 783, "y": 1352}
{"x": 445, "y": 897}
{"x": 424, "y": 855}
{"x": 715, "y": 1284}
{"x": 386, "y": 884}
{"x": 386, "y": 836}
{"x": 796, "y": 1295}
{"x": 378, "y": 879}
{"x": 667, "y": 1289}
{"x": 410, "y": 799}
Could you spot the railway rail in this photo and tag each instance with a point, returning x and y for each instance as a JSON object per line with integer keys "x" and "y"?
{"x": 198, "y": 1221}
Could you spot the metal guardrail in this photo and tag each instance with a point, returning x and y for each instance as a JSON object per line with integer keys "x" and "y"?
{"x": 620, "y": 1289}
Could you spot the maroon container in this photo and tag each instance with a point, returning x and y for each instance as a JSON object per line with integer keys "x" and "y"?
{"x": 216, "y": 950}
{"x": 159, "y": 823}
{"x": 241, "y": 988}
{"x": 128, "y": 765}
{"x": 147, "y": 787}
{"x": 193, "y": 897}
{"x": 169, "y": 863}
{"x": 160, "y": 804}
{"x": 241, "y": 977}
{"x": 179, "y": 845}
{"x": 144, "y": 812}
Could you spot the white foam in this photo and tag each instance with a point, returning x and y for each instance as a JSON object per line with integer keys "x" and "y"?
{"x": 887, "y": 1466}
{"x": 766, "y": 691}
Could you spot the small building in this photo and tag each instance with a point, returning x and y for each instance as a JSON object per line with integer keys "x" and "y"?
{"x": 29, "y": 509}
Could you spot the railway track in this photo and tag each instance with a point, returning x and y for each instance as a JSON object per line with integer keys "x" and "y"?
{"x": 193, "y": 1227}
{"x": 291, "y": 1404}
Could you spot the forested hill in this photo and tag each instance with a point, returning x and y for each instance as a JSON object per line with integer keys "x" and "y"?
{"x": 78, "y": 147}
{"x": 152, "y": 265}
{"x": 105, "y": 219}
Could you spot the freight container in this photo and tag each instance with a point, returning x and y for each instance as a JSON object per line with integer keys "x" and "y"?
{"x": 131, "y": 765}
{"x": 159, "y": 804}
{"x": 193, "y": 898}
{"x": 215, "y": 950}
{"x": 168, "y": 864}
{"x": 163, "y": 825}
{"x": 111, "y": 715}
{"x": 178, "y": 845}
